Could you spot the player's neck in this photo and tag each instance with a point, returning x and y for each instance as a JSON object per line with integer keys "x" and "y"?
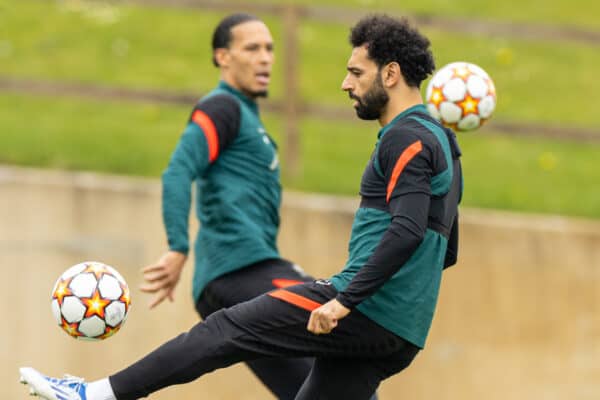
{"x": 232, "y": 83}
{"x": 398, "y": 103}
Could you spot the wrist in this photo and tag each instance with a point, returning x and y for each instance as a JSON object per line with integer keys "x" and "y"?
{"x": 340, "y": 298}
{"x": 179, "y": 252}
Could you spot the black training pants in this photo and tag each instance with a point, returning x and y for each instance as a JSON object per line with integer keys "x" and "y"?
{"x": 350, "y": 362}
{"x": 282, "y": 376}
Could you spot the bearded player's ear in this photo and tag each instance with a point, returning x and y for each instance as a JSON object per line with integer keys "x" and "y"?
{"x": 391, "y": 74}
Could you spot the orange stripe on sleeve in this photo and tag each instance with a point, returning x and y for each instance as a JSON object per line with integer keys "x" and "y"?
{"x": 295, "y": 299}
{"x": 210, "y": 132}
{"x": 408, "y": 154}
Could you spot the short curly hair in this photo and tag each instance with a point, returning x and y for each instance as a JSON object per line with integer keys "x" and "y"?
{"x": 389, "y": 39}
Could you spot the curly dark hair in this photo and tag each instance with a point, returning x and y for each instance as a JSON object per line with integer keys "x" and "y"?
{"x": 389, "y": 39}
{"x": 222, "y": 34}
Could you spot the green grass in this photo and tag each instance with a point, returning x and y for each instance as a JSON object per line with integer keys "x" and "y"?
{"x": 88, "y": 135}
{"x": 140, "y": 48}
{"x": 131, "y": 138}
{"x": 528, "y": 88}
{"x": 168, "y": 49}
{"x": 536, "y": 81}
{"x": 536, "y": 175}
{"x": 578, "y": 13}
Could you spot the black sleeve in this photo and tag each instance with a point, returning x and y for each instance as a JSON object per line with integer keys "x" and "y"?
{"x": 405, "y": 234}
{"x": 406, "y": 165}
{"x": 221, "y": 112}
{"x": 452, "y": 251}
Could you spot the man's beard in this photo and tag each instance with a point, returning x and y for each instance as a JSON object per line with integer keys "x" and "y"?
{"x": 371, "y": 105}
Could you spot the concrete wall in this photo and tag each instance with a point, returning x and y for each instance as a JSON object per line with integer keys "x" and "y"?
{"x": 517, "y": 318}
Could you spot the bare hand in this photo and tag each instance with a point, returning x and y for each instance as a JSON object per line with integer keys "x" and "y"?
{"x": 161, "y": 278}
{"x": 326, "y": 317}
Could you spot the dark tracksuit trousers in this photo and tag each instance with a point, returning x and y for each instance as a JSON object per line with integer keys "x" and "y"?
{"x": 349, "y": 363}
{"x": 282, "y": 376}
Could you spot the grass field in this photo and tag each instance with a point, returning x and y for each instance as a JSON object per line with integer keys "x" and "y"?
{"x": 167, "y": 49}
{"x": 41, "y": 39}
{"x": 578, "y": 13}
{"x": 129, "y": 138}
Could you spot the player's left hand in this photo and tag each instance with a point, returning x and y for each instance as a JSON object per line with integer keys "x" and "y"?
{"x": 326, "y": 317}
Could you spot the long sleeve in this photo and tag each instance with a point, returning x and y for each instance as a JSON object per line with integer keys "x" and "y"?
{"x": 452, "y": 250}
{"x": 212, "y": 127}
{"x": 398, "y": 243}
{"x": 188, "y": 161}
{"x": 406, "y": 166}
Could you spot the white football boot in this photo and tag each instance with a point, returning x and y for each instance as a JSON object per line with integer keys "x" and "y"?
{"x": 67, "y": 388}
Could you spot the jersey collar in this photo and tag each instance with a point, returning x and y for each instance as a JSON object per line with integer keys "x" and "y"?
{"x": 415, "y": 108}
{"x": 245, "y": 99}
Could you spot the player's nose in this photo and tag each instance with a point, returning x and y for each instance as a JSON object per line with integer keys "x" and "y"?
{"x": 346, "y": 86}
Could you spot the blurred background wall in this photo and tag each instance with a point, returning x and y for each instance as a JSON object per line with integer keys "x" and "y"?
{"x": 517, "y": 317}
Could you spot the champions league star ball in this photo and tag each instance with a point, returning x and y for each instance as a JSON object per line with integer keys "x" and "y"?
{"x": 461, "y": 96}
{"x": 90, "y": 301}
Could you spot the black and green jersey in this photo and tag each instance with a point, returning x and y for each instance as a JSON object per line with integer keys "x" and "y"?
{"x": 227, "y": 151}
{"x": 405, "y": 231}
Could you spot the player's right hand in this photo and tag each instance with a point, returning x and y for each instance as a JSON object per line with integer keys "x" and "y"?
{"x": 161, "y": 277}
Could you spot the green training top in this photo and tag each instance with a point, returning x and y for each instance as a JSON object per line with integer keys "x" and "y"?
{"x": 393, "y": 274}
{"x": 227, "y": 151}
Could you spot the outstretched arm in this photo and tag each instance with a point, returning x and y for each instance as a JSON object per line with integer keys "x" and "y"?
{"x": 212, "y": 127}
{"x": 188, "y": 161}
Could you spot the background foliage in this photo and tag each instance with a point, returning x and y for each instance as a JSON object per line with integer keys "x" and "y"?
{"x": 167, "y": 49}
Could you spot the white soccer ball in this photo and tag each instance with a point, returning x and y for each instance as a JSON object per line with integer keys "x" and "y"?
{"x": 90, "y": 301}
{"x": 461, "y": 96}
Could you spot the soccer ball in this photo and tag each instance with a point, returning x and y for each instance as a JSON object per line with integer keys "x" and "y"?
{"x": 461, "y": 96}
{"x": 90, "y": 301}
